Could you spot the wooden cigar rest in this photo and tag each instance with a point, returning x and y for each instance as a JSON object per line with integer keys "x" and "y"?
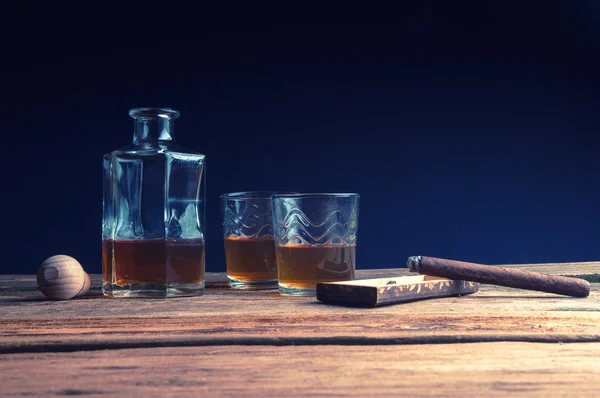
{"x": 382, "y": 291}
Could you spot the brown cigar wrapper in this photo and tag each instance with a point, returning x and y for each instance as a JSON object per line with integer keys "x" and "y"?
{"x": 500, "y": 276}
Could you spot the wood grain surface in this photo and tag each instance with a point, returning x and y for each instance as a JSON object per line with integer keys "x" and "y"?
{"x": 249, "y": 343}
{"x": 461, "y": 370}
{"x": 29, "y": 323}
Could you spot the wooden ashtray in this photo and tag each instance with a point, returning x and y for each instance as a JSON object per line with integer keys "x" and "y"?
{"x": 382, "y": 291}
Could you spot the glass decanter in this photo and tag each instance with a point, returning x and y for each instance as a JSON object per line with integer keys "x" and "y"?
{"x": 153, "y": 213}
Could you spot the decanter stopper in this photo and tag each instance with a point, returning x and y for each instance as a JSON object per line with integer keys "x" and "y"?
{"x": 61, "y": 277}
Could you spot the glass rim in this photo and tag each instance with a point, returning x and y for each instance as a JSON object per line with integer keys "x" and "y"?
{"x": 317, "y": 195}
{"x": 246, "y": 195}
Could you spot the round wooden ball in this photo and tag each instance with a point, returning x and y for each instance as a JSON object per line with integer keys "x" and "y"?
{"x": 61, "y": 277}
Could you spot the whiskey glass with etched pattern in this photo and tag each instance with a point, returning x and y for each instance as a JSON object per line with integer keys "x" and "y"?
{"x": 315, "y": 240}
{"x": 248, "y": 240}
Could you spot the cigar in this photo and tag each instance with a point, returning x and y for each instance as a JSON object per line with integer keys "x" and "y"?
{"x": 495, "y": 275}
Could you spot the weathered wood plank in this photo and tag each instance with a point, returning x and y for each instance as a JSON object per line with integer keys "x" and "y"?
{"x": 29, "y": 322}
{"x": 489, "y": 299}
{"x": 481, "y": 369}
{"x": 224, "y": 316}
{"x": 224, "y": 343}
{"x": 100, "y": 334}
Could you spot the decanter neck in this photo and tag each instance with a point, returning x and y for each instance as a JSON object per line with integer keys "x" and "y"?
{"x": 153, "y": 124}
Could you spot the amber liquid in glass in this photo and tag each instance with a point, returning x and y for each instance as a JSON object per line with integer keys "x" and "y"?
{"x": 159, "y": 261}
{"x": 302, "y": 266}
{"x": 251, "y": 259}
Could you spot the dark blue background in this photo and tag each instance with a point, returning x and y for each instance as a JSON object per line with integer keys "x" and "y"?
{"x": 469, "y": 130}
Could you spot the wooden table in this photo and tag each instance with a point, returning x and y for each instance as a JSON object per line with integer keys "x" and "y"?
{"x": 497, "y": 342}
